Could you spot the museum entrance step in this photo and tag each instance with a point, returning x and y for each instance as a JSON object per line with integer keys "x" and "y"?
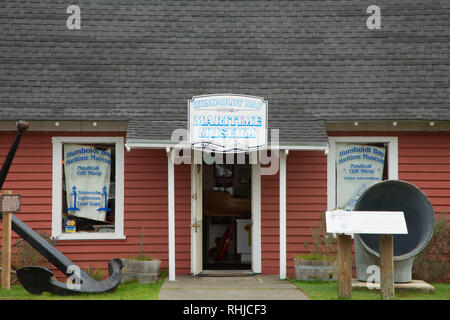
{"x": 226, "y": 273}
{"x": 257, "y": 287}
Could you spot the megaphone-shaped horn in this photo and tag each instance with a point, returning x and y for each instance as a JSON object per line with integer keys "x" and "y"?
{"x": 395, "y": 195}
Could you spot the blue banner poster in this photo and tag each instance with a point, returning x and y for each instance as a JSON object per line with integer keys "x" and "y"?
{"x": 357, "y": 168}
{"x": 87, "y": 172}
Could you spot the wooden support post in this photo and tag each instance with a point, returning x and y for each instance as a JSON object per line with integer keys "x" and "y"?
{"x": 387, "y": 267}
{"x": 6, "y": 247}
{"x": 344, "y": 266}
{"x": 6, "y": 251}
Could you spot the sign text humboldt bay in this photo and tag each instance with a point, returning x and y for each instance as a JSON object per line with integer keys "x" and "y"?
{"x": 227, "y": 123}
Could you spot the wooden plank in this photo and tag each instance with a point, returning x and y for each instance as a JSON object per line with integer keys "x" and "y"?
{"x": 344, "y": 266}
{"x": 425, "y": 167}
{"x": 417, "y": 151}
{"x": 431, "y": 176}
{"x": 387, "y": 267}
{"x": 306, "y": 175}
{"x": 422, "y": 159}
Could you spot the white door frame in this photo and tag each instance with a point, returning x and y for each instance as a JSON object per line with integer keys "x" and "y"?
{"x": 256, "y": 216}
{"x": 196, "y": 254}
{"x": 282, "y": 176}
{"x": 196, "y": 218}
{"x": 171, "y": 213}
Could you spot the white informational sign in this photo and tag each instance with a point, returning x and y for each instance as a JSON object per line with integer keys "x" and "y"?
{"x": 371, "y": 222}
{"x": 357, "y": 168}
{"x": 227, "y": 123}
{"x": 87, "y": 174}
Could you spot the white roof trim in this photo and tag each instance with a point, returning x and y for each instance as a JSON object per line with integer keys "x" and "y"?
{"x": 170, "y": 144}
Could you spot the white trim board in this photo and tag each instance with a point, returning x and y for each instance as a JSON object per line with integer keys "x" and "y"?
{"x": 171, "y": 214}
{"x": 256, "y": 216}
{"x": 57, "y": 189}
{"x": 283, "y": 155}
{"x": 392, "y": 150}
{"x": 163, "y": 144}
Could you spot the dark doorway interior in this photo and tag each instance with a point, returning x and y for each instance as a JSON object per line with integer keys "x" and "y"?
{"x": 227, "y": 216}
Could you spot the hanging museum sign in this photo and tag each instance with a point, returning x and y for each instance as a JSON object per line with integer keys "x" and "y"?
{"x": 357, "y": 168}
{"x": 227, "y": 123}
{"x": 87, "y": 174}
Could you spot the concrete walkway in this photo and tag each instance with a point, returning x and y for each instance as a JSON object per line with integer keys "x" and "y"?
{"x": 258, "y": 287}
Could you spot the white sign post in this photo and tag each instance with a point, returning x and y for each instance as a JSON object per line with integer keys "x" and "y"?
{"x": 385, "y": 223}
{"x": 227, "y": 123}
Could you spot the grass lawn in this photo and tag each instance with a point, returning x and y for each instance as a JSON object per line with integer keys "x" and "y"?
{"x": 321, "y": 290}
{"x": 125, "y": 291}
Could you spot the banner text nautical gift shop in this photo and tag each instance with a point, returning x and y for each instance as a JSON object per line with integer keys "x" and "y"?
{"x": 87, "y": 173}
{"x": 357, "y": 167}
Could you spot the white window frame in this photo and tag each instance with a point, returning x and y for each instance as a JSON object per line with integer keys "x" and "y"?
{"x": 57, "y": 169}
{"x": 392, "y": 151}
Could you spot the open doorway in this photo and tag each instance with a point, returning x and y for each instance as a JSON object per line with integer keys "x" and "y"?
{"x": 227, "y": 215}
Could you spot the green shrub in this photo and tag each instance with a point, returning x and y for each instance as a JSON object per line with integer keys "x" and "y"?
{"x": 432, "y": 263}
{"x": 95, "y": 273}
{"x": 315, "y": 256}
{"x": 324, "y": 245}
{"x": 141, "y": 257}
{"x": 26, "y": 255}
{"x": 23, "y": 254}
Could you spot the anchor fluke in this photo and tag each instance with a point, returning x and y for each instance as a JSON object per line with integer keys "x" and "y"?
{"x": 37, "y": 280}
{"x": 34, "y": 279}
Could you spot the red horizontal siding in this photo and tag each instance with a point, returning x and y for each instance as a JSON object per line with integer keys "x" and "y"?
{"x": 306, "y": 197}
{"x": 270, "y": 224}
{"x": 183, "y": 219}
{"x": 306, "y": 182}
{"x": 145, "y": 202}
{"x": 424, "y": 160}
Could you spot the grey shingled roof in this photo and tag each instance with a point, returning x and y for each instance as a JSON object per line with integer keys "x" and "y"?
{"x": 143, "y": 60}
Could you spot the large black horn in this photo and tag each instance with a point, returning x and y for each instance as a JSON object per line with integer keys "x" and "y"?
{"x": 395, "y": 195}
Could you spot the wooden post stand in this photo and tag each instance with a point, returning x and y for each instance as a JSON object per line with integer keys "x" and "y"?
{"x": 344, "y": 266}
{"x": 6, "y": 251}
{"x": 9, "y": 203}
{"x": 387, "y": 267}
{"x": 384, "y": 223}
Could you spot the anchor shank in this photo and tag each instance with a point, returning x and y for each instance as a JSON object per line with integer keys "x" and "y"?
{"x": 41, "y": 245}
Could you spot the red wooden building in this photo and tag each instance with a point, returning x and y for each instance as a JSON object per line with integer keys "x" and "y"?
{"x": 123, "y": 86}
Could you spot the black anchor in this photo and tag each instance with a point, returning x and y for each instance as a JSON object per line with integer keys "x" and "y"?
{"x": 37, "y": 279}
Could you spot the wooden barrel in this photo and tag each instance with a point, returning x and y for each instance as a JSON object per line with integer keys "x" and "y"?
{"x": 142, "y": 271}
